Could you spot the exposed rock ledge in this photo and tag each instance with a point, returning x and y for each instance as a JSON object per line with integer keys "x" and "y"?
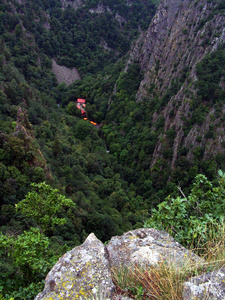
{"x": 206, "y": 286}
{"x": 64, "y": 74}
{"x": 85, "y": 271}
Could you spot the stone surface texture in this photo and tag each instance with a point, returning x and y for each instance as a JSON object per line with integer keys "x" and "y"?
{"x": 209, "y": 286}
{"x": 75, "y": 4}
{"x": 148, "y": 247}
{"x": 85, "y": 271}
{"x": 82, "y": 273}
{"x": 179, "y": 36}
{"x": 64, "y": 74}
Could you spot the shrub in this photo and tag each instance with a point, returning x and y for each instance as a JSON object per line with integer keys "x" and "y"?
{"x": 191, "y": 219}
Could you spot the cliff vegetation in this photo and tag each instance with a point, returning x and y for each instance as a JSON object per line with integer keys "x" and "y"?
{"x": 152, "y": 75}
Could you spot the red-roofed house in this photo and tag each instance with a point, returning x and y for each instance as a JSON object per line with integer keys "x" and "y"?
{"x": 81, "y": 103}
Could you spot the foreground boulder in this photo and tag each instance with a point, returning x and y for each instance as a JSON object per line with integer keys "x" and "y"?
{"x": 148, "y": 247}
{"x": 82, "y": 273}
{"x": 206, "y": 286}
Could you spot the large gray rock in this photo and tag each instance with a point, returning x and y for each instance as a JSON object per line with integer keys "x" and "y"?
{"x": 210, "y": 286}
{"x": 82, "y": 273}
{"x": 148, "y": 247}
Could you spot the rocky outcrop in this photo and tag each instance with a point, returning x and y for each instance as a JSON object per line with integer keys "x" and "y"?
{"x": 74, "y": 4}
{"x": 24, "y": 131}
{"x": 81, "y": 273}
{"x": 100, "y": 9}
{"x": 64, "y": 74}
{"x": 179, "y": 36}
{"x": 85, "y": 271}
{"x": 148, "y": 247}
{"x": 176, "y": 37}
{"x": 207, "y": 286}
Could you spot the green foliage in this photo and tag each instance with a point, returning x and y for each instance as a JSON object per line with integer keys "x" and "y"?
{"x": 82, "y": 130}
{"x": 210, "y": 71}
{"x": 191, "y": 219}
{"x": 25, "y": 259}
{"x": 129, "y": 81}
{"x": 43, "y": 204}
{"x": 84, "y": 39}
{"x": 108, "y": 172}
{"x": 73, "y": 110}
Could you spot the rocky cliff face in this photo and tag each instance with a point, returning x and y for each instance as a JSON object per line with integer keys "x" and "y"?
{"x": 74, "y": 4}
{"x": 23, "y": 129}
{"x": 180, "y": 36}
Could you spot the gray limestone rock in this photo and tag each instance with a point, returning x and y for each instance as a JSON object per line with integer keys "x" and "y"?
{"x": 85, "y": 271}
{"x": 64, "y": 74}
{"x": 82, "y": 273}
{"x": 148, "y": 247}
{"x": 209, "y": 286}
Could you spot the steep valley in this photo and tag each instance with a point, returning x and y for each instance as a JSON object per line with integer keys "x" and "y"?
{"x": 184, "y": 42}
{"x": 153, "y": 77}
{"x": 180, "y": 36}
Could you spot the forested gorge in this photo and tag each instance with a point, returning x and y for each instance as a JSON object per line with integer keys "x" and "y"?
{"x": 88, "y": 179}
{"x": 78, "y": 37}
{"x": 62, "y": 149}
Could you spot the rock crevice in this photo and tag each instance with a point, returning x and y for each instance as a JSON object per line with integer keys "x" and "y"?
{"x": 85, "y": 272}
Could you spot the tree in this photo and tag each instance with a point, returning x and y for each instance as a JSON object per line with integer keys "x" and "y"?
{"x": 73, "y": 110}
{"x": 82, "y": 130}
{"x": 24, "y": 261}
{"x": 196, "y": 218}
{"x": 43, "y": 204}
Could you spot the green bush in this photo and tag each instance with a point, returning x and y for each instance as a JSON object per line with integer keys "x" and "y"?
{"x": 192, "y": 219}
{"x": 25, "y": 260}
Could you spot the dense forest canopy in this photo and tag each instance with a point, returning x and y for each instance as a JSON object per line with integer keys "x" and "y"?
{"x": 101, "y": 177}
{"x": 88, "y": 37}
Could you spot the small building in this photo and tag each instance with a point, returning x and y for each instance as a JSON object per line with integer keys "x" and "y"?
{"x": 81, "y": 103}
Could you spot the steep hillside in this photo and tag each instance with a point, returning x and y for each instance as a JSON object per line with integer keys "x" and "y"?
{"x": 159, "y": 108}
{"x": 180, "y": 36}
{"x": 175, "y": 129}
{"x": 84, "y": 34}
{"x": 44, "y": 138}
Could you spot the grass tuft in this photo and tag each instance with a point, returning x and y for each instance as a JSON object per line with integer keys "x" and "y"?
{"x": 165, "y": 282}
